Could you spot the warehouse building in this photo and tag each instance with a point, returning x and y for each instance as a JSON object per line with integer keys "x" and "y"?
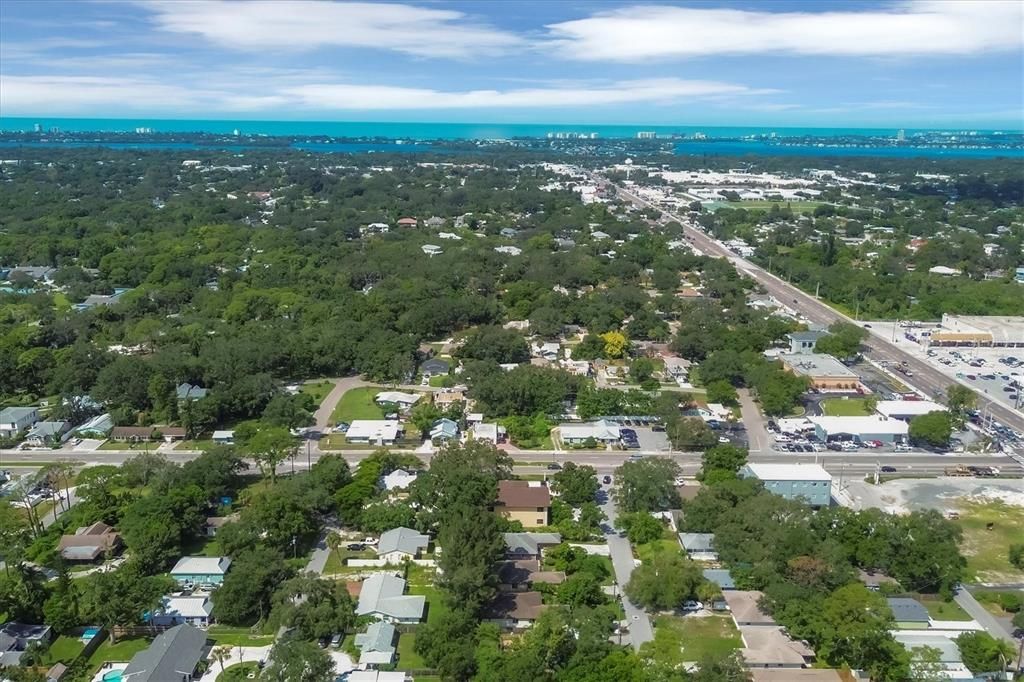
{"x": 809, "y": 482}
{"x": 980, "y": 330}
{"x": 906, "y": 410}
{"x": 825, "y": 372}
{"x": 861, "y": 429}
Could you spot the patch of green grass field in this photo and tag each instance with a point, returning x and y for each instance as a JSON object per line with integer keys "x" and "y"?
{"x": 239, "y": 672}
{"x": 232, "y": 636}
{"x": 126, "y": 445}
{"x": 987, "y": 551}
{"x": 942, "y": 610}
{"x": 408, "y": 659}
{"x": 357, "y": 403}
{"x": 121, "y": 652}
{"x": 318, "y": 390}
{"x": 685, "y": 639}
{"x": 64, "y": 650}
{"x": 845, "y": 407}
{"x": 796, "y": 206}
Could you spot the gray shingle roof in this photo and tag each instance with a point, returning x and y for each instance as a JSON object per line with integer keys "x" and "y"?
{"x": 171, "y": 657}
{"x": 378, "y": 637}
{"x": 383, "y": 595}
{"x": 529, "y": 543}
{"x": 908, "y": 610}
{"x": 721, "y": 577}
{"x": 402, "y": 540}
{"x": 697, "y": 542}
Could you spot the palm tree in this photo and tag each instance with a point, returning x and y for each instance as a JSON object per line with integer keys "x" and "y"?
{"x": 220, "y": 653}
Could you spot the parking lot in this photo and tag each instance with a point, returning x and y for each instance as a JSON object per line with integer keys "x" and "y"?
{"x": 649, "y": 439}
{"x": 979, "y": 368}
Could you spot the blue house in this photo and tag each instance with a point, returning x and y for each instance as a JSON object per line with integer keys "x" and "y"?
{"x": 201, "y": 570}
{"x": 807, "y": 482}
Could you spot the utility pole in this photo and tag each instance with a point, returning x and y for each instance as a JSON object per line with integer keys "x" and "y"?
{"x": 817, "y": 288}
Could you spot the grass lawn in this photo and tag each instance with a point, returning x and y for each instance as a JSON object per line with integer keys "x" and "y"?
{"x": 317, "y": 389}
{"x": 125, "y": 445}
{"x": 336, "y": 560}
{"x": 667, "y": 543}
{"x": 942, "y": 610}
{"x": 202, "y": 546}
{"x": 991, "y": 600}
{"x": 224, "y": 634}
{"x": 201, "y": 444}
{"x": 121, "y": 652}
{"x": 64, "y": 650}
{"x": 845, "y": 407}
{"x": 235, "y": 673}
{"x": 357, "y": 403}
{"x": 797, "y": 206}
{"x": 408, "y": 659}
{"x": 435, "y": 601}
{"x": 987, "y": 551}
{"x": 678, "y": 640}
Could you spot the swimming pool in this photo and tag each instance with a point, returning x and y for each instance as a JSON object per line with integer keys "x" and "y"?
{"x": 112, "y": 676}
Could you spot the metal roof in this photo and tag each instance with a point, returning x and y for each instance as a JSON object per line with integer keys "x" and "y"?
{"x": 172, "y": 657}
{"x": 401, "y": 539}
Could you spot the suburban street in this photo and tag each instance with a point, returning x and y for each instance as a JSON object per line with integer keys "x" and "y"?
{"x": 926, "y": 378}
{"x": 621, "y": 552}
{"x": 976, "y": 611}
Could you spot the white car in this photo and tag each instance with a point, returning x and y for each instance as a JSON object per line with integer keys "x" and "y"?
{"x": 723, "y": 439}
{"x": 690, "y": 605}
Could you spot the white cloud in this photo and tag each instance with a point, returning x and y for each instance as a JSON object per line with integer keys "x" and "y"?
{"x": 35, "y": 94}
{"x": 307, "y": 24}
{"x": 919, "y": 27}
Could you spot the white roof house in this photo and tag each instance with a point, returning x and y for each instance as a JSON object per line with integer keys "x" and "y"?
{"x": 510, "y": 250}
{"x": 376, "y": 645}
{"x": 382, "y": 430}
{"x": 907, "y": 409}
{"x": 488, "y": 431}
{"x": 398, "y": 397}
{"x": 383, "y": 595}
{"x": 789, "y": 472}
{"x": 201, "y": 565}
{"x": 399, "y": 479}
{"x": 184, "y": 609}
{"x": 600, "y": 430}
{"x": 431, "y": 249}
{"x": 402, "y": 540}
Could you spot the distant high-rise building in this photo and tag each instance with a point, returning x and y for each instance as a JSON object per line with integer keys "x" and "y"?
{"x": 235, "y": 132}
{"x": 38, "y": 127}
{"x": 646, "y": 135}
{"x": 901, "y": 135}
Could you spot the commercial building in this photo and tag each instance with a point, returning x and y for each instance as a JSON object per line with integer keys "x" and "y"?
{"x": 905, "y": 410}
{"x": 861, "y": 429}
{"x": 825, "y": 372}
{"x": 601, "y": 431}
{"x": 804, "y": 342}
{"x": 807, "y": 482}
{"x": 525, "y": 501}
{"x": 978, "y": 330}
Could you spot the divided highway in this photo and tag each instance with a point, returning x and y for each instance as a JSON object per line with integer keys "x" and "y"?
{"x": 926, "y": 377}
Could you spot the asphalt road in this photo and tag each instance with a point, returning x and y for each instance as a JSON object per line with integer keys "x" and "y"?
{"x": 926, "y": 378}
{"x": 976, "y": 611}
{"x": 621, "y": 552}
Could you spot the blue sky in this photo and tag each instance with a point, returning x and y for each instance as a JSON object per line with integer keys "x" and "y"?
{"x": 915, "y": 63}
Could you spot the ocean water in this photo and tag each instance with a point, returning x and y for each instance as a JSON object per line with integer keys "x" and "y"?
{"x": 402, "y": 136}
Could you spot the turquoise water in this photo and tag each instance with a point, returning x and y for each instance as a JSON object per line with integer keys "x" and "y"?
{"x": 416, "y": 131}
{"x": 112, "y": 676}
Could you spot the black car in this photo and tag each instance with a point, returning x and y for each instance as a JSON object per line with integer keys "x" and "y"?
{"x": 772, "y": 426}
{"x": 607, "y": 480}
{"x": 355, "y": 547}
{"x": 627, "y": 433}
{"x": 888, "y": 470}
{"x": 554, "y": 466}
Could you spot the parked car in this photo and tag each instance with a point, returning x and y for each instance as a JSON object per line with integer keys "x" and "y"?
{"x": 691, "y": 605}
{"x": 355, "y": 547}
{"x": 607, "y": 480}
{"x": 336, "y": 641}
{"x": 554, "y": 466}
{"x": 888, "y": 469}
{"x": 723, "y": 439}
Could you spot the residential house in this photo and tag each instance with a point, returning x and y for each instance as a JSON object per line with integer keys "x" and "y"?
{"x": 804, "y": 342}
{"x": 514, "y": 610}
{"x": 374, "y": 228}
{"x": 431, "y": 249}
{"x": 600, "y": 431}
{"x": 825, "y": 372}
{"x": 403, "y": 400}
{"x": 172, "y": 434}
{"x": 132, "y": 434}
{"x": 407, "y": 222}
{"x": 795, "y": 675}
{"x": 444, "y": 430}
{"x": 769, "y": 647}
{"x": 508, "y": 250}
{"x": 525, "y": 501}
{"x": 449, "y": 235}
{"x": 434, "y": 222}
{"x": 399, "y": 479}
{"x": 445, "y": 399}
{"x": 201, "y": 570}
{"x": 744, "y": 609}
{"x": 48, "y": 433}
{"x": 213, "y": 524}
{"x": 529, "y": 545}
{"x": 14, "y": 420}
{"x": 376, "y": 431}
{"x": 807, "y": 482}
{"x": 721, "y": 577}
{"x": 1018, "y": 275}
{"x": 97, "y": 427}
{"x": 187, "y": 391}
{"x": 195, "y": 610}
{"x": 383, "y": 596}
{"x": 172, "y": 657}
{"x": 434, "y": 367}
{"x": 519, "y": 575}
{"x": 943, "y": 271}
{"x": 488, "y": 431}
{"x": 90, "y": 543}
{"x": 96, "y": 300}
{"x": 401, "y": 544}
{"x": 550, "y": 351}
{"x": 677, "y": 368}
{"x": 508, "y": 232}
{"x": 699, "y": 546}
{"x": 15, "y": 638}
{"x": 224, "y": 437}
{"x": 908, "y": 613}
{"x": 377, "y": 645}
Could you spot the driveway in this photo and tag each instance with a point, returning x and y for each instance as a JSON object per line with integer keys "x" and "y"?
{"x": 236, "y": 655}
{"x": 976, "y": 611}
{"x": 621, "y": 552}
{"x": 323, "y": 413}
{"x": 318, "y": 560}
{"x": 757, "y": 434}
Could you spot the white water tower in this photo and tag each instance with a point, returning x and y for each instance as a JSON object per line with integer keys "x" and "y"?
{"x": 629, "y": 165}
